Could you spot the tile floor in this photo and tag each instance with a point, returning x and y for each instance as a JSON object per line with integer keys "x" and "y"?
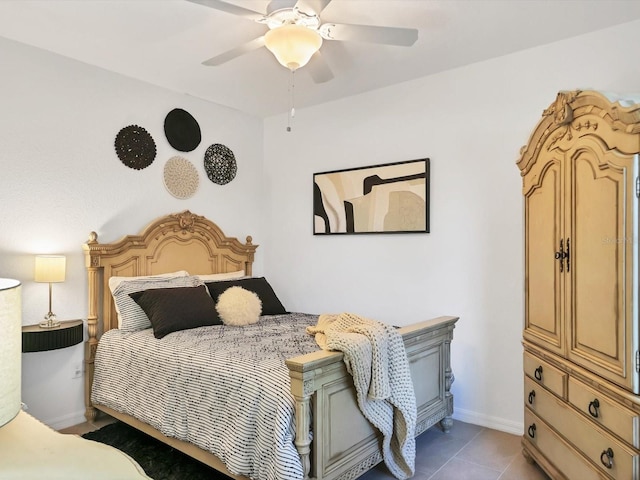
{"x": 468, "y": 452}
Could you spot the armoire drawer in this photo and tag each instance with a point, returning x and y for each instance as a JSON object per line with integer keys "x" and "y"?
{"x": 553, "y": 379}
{"x": 541, "y": 401}
{"x": 557, "y": 451}
{"x": 594, "y": 443}
{"x": 614, "y": 417}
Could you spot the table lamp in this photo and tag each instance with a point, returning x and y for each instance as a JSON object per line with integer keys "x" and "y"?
{"x": 10, "y": 348}
{"x": 50, "y": 269}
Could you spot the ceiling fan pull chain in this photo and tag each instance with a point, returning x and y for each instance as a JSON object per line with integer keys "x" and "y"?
{"x": 292, "y": 111}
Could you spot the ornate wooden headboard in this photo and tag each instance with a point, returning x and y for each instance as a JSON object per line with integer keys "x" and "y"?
{"x": 181, "y": 241}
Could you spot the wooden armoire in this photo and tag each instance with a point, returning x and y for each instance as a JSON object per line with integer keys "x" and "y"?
{"x": 581, "y": 333}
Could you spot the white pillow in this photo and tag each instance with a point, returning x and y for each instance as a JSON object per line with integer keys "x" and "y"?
{"x": 218, "y": 277}
{"x": 237, "y": 306}
{"x": 115, "y": 281}
{"x": 130, "y": 316}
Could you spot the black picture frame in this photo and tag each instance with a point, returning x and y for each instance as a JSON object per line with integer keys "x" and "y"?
{"x": 387, "y": 198}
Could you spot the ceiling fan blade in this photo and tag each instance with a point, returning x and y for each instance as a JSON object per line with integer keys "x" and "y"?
{"x": 235, "y": 52}
{"x": 230, "y": 8}
{"x": 369, "y": 33}
{"x": 319, "y": 69}
{"x": 315, "y": 6}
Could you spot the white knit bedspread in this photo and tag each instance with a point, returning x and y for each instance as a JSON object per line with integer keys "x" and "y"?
{"x": 224, "y": 389}
{"x": 375, "y": 356}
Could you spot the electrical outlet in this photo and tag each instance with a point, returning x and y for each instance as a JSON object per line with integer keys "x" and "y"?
{"x": 78, "y": 371}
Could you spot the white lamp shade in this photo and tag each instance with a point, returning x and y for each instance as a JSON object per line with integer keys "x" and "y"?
{"x": 10, "y": 348}
{"x": 50, "y": 268}
{"x": 293, "y": 45}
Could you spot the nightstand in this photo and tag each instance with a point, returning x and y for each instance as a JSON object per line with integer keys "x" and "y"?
{"x": 36, "y": 339}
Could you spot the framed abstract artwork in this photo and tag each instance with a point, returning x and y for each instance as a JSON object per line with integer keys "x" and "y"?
{"x": 389, "y": 198}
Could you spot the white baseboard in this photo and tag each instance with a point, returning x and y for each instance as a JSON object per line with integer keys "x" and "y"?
{"x": 496, "y": 423}
{"x": 65, "y": 421}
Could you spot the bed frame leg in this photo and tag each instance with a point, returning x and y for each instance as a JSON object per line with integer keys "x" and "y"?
{"x": 90, "y": 414}
{"x": 89, "y": 357}
{"x": 447, "y": 422}
{"x": 302, "y": 391}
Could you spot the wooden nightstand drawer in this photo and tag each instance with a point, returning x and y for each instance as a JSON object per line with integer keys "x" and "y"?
{"x": 543, "y": 373}
{"x": 613, "y": 416}
{"x": 556, "y": 450}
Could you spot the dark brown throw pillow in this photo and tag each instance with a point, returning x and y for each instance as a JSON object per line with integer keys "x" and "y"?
{"x": 271, "y": 305}
{"x": 180, "y": 308}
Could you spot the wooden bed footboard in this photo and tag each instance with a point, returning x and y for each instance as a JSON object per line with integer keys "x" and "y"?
{"x": 345, "y": 444}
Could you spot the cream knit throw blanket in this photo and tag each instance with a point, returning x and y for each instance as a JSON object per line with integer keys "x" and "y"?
{"x": 374, "y": 355}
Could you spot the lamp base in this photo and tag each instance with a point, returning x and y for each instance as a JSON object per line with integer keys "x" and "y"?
{"x": 49, "y": 321}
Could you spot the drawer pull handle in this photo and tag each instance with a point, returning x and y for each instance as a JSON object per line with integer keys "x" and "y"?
{"x": 538, "y": 373}
{"x": 593, "y": 408}
{"x": 607, "y": 458}
{"x": 532, "y": 395}
{"x": 532, "y": 433}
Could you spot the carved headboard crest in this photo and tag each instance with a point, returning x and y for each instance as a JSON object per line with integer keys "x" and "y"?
{"x": 186, "y": 220}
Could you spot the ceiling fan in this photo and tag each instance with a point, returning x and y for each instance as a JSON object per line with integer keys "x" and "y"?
{"x": 296, "y": 33}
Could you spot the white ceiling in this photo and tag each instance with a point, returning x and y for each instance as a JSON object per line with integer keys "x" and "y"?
{"x": 163, "y": 42}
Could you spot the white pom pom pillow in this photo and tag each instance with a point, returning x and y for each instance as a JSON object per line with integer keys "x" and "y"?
{"x": 237, "y": 306}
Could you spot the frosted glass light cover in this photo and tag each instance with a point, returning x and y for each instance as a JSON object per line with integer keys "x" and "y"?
{"x": 293, "y": 45}
{"x": 10, "y": 348}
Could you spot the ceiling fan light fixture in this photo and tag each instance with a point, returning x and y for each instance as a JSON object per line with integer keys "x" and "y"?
{"x": 293, "y": 45}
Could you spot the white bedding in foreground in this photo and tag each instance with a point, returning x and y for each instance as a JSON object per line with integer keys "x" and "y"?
{"x": 224, "y": 389}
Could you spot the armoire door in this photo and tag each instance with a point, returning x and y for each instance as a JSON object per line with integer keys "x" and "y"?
{"x": 601, "y": 221}
{"x": 543, "y": 187}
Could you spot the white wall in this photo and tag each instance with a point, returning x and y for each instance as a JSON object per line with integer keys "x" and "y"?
{"x": 471, "y": 123}
{"x": 61, "y": 179}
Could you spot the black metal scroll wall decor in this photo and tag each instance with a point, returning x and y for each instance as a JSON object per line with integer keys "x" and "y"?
{"x": 135, "y": 147}
{"x": 389, "y": 198}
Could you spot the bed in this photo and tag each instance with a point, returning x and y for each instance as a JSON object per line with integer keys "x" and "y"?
{"x": 331, "y": 438}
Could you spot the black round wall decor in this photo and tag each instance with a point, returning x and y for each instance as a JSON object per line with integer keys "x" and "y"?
{"x": 182, "y": 130}
{"x": 220, "y": 164}
{"x": 135, "y": 147}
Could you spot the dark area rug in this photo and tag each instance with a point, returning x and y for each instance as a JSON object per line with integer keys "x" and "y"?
{"x": 159, "y": 461}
